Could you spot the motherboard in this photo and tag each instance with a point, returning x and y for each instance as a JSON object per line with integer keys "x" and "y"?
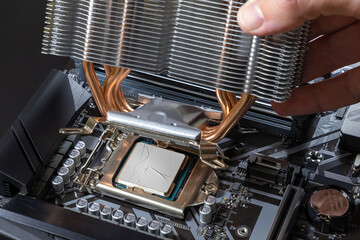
{"x": 278, "y": 178}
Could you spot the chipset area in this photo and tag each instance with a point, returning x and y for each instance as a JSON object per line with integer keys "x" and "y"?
{"x": 152, "y": 169}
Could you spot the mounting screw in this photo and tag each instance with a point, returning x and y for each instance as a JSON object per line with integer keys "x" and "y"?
{"x": 314, "y": 156}
{"x": 211, "y": 188}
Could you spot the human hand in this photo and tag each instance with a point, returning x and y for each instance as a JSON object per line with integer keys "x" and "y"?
{"x": 338, "y": 22}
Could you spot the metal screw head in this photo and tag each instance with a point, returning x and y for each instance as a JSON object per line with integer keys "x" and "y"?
{"x": 211, "y": 188}
{"x": 314, "y": 156}
{"x": 243, "y": 231}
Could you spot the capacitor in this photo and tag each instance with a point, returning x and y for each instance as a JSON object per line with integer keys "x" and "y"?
{"x": 58, "y": 184}
{"x": 64, "y": 173}
{"x": 82, "y": 205}
{"x": 166, "y": 231}
{"x": 105, "y": 212}
{"x": 154, "y": 227}
{"x": 211, "y": 202}
{"x": 80, "y": 145}
{"x": 70, "y": 164}
{"x": 117, "y": 215}
{"x": 129, "y": 219}
{"x": 205, "y": 214}
{"x": 75, "y": 155}
{"x": 329, "y": 209}
{"x": 94, "y": 208}
{"x": 141, "y": 224}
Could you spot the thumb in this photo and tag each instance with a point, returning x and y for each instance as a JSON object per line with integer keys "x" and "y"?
{"x": 263, "y": 17}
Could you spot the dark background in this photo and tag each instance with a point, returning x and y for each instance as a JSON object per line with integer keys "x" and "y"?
{"x": 23, "y": 67}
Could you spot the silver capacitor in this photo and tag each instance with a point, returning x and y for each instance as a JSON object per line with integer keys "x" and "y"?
{"x": 70, "y": 164}
{"x": 205, "y": 214}
{"x": 64, "y": 173}
{"x": 129, "y": 219}
{"x": 80, "y": 145}
{"x": 105, "y": 212}
{"x": 141, "y": 224}
{"x": 58, "y": 184}
{"x": 117, "y": 215}
{"x": 166, "y": 231}
{"x": 82, "y": 205}
{"x": 75, "y": 155}
{"x": 154, "y": 227}
{"x": 211, "y": 202}
{"x": 94, "y": 208}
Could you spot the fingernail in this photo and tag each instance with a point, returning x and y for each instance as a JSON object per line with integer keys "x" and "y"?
{"x": 251, "y": 16}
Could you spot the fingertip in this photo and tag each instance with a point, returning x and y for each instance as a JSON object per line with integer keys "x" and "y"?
{"x": 250, "y": 17}
{"x": 268, "y": 17}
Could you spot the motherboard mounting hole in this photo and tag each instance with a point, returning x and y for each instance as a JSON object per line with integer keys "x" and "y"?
{"x": 243, "y": 231}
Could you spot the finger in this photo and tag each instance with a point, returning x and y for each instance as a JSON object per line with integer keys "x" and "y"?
{"x": 332, "y": 52}
{"x": 263, "y": 17}
{"x": 329, "y": 24}
{"x": 324, "y": 96}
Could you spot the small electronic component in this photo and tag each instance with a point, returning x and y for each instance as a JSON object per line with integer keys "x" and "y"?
{"x": 64, "y": 173}
{"x": 81, "y": 147}
{"x": 350, "y": 130}
{"x": 75, "y": 155}
{"x": 267, "y": 169}
{"x": 82, "y": 205}
{"x": 94, "y": 208}
{"x": 205, "y": 214}
{"x": 70, "y": 164}
{"x": 129, "y": 219}
{"x": 356, "y": 166}
{"x": 166, "y": 231}
{"x": 58, "y": 184}
{"x": 154, "y": 227}
{"x": 117, "y": 215}
{"x": 211, "y": 202}
{"x": 329, "y": 208}
{"x": 152, "y": 169}
{"x": 105, "y": 212}
{"x": 141, "y": 224}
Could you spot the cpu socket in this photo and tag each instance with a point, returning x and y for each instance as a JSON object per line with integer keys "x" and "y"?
{"x": 162, "y": 179}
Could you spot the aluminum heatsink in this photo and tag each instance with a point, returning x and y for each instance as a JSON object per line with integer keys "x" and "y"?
{"x": 126, "y": 33}
{"x": 209, "y": 48}
{"x": 194, "y": 41}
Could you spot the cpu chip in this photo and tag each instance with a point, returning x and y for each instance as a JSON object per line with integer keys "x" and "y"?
{"x": 152, "y": 169}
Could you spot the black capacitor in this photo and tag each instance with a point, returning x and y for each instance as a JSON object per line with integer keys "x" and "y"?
{"x": 329, "y": 209}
